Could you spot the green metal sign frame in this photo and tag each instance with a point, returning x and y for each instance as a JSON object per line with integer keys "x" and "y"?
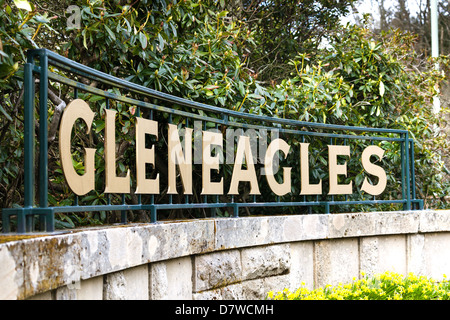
{"x": 37, "y": 66}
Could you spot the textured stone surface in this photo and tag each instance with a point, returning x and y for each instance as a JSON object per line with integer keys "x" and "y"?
{"x": 336, "y": 261}
{"x": 217, "y": 269}
{"x": 380, "y": 254}
{"x": 257, "y": 289}
{"x": 171, "y": 279}
{"x": 315, "y": 248}
{"x": 302, "y": 264}
{"x": 114, "y": 287}
{"x": 368, "y": 224}
{"x": 231, "y": 292}
{"x": 416, "y": 254}
{"x": 242, "y": 232}
{"x": 129, "y": 284}
{"x": 10, "y": 275}
{"x": 435, "y": 221}
{"x": 90, "y": 289}
{"x": 48, "y": 295}
{"x": 261, "y": 262}
{"x": 437, "y": 255}
{"x": 117, "y": 248}
{"x": 48, "y": 263}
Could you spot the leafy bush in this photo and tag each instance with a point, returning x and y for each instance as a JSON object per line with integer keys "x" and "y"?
{"x": 199, "y": 51}
{"x": 385, "y": 286}
{"x": 361, "y": 79}
{"x": 369, "y": 80}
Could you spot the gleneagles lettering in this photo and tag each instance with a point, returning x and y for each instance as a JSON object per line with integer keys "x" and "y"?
{"x": 82, "y": 184}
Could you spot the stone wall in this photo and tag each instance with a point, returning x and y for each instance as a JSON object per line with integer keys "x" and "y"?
{"x": 223, "y": 258}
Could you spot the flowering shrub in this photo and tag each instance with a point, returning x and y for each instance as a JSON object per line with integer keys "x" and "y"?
{"x": 385, "y": 286}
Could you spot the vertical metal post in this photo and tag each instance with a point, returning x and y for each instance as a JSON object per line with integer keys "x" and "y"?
{"x": 29, "y": 135}
{"x": 6, "y": 222}
{"x": 48, "y": 217}
{"x": 235, "y": 210}
{"x": 153, "y": 215}
{"x": 29, "y": 141}
{"x": 406, "y": 170}
{"x": 413, "y": 181}
{"x": 75, "y": 96}
{"x": 43, "y": 131}
{"x": 123, "y": 213}
{"x": 402, "y": 161}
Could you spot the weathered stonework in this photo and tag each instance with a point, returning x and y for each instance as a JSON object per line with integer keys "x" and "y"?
{"x": 262, "y": 262}
{"x": 383, "y": 253}
{"x": 218, "y": 269}
{"x": 129, "y": 284}
{"x": 171, "y": 279}
{"x": 223, "y": 258}
{"x": 336, "y": 261}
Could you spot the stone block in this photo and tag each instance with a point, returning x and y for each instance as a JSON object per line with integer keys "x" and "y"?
{"x": 215, "y": 294}
{"x": 302, "y": 265}
{"x": 113, "y": 249}
{"x": 372, "y": 223}
{"x": 190, "y": 237}
{"x": 416, "y": 254}
{"x": 434, "y": 221}
{"x": 11, "y": 272}
{"x": 50, "y": 262}
{"x": 91, "y": 289}
{"x": 129, "y": 284}
{"x": 248, "y": 231}
{"x": 38, "y": 265}
{"x": 398, "y": 222}
{"x": 380, "y": 254}
{"x": 314, "y": 226}
{"x": 48, "y": 295}
{"x": 336, "y": 261}
{"x": 171, "y": 279}
{"x": 230, "y": 292}
{"x": 259, "y": 288}
{"x": 266, "y": 261}
{"x": 437, "y": 255}
{"x": 217, "y": 269}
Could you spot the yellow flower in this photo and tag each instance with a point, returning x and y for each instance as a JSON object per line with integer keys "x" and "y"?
{"x": 366, "y": 287}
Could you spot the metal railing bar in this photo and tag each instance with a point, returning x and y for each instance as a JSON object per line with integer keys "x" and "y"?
{"x": 43, "y": 132}
{"x": 127, "y": 92}
{"x": 151, "y": 106}
{"x": 124, "y": 99}
{"x": 162, "y": 206}
{"x": 408, "y": 168}
{"x": 189, "y": 103}
{"x": 29, "y": 139}
{"x": 315, "y": 203}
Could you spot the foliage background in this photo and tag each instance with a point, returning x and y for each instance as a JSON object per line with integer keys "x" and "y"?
{"x": 236, "y": 55}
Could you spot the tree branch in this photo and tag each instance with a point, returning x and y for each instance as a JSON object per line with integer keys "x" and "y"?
{"x": 60, "y": 106}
